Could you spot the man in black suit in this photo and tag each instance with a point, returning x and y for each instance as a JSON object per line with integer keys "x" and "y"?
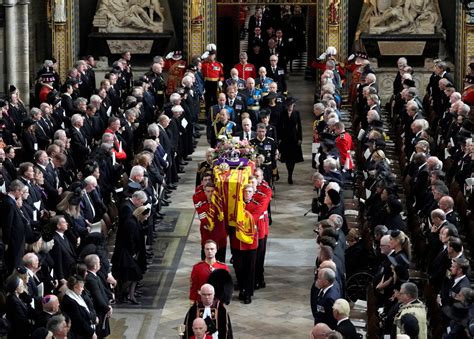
{"x": 97, "y": 290}
{"x": 247, "y": 133}
{"x": 322, "y": 304}
{"x": 341, "y": 311}
{"x": 63, "y": 252}
{"x": 14, "y": 229}
{"x": 31, "y": 263}
{"x": 169, "y": 148}
{"x": 458, "y": 280}
{"x": 277, "y": 74}
{"x": 441, "y": 262}
{"x": 51, "y": 179}
{"x": 79, "y": 145}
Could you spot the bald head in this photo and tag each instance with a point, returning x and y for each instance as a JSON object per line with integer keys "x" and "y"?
{"x": 320, "y": 330}
{"x": 199, "y": 328}
{"x": 207, "y": 294}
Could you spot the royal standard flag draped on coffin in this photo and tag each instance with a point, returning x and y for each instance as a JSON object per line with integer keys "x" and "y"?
{"x": 228, "y": 203}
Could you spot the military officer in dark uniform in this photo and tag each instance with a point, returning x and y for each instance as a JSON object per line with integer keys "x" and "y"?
{"x": 267, "y": 147}
{"x": 158, "y": 84}
{"x": 265, "y": 119}
{"x": 235, "y": 103}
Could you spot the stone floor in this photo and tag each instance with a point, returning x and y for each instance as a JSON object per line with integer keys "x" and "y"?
{"x": 281, "y": 309}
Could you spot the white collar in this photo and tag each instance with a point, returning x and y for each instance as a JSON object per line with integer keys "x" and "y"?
{"x": 458, "y": 279}
{"x": 343, "y": 319}
{"x": 61, "y": 234}
{"x": 327, "y": 288}
{"x": 77, "y": 298}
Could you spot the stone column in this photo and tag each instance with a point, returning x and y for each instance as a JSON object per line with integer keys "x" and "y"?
{"x": 11, "y": 42}
{"x": 23, "y": 51}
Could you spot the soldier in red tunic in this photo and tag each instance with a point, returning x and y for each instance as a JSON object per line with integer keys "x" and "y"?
{"x": 344, "y": 145}
{"x": 202, "y": 270}
{"x": 213, "y": 73}
{"x": 245, "y": 69}
{"x": 245, "y": 255}
{"x": 202, "y": 203}
{"x": 263, "y": 195}
{"x": 176, "y": 68}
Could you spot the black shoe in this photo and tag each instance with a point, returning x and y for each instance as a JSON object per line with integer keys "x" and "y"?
{"x": 262, "y": 284}
{"x": 197, "y": 135}
{"x": 199, "y": 127}
{"x": 181, "y": 170}
{"x": 290, "y": 181}
{"x": 188, "y": 158}
{"x": 172, "y": 187}
{"x": 164, "y": 203}
{"x": 183, "y": 163}
{"x": 241, "y": 296}
{"x": 161, "y": 214}
{"x": 247, "y": 300}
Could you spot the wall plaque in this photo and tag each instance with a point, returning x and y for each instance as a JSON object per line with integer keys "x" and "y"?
{"x": 136, "y": 46}
{"x": 401, "y": 47}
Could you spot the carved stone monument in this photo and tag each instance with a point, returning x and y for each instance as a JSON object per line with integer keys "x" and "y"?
{"x": 131, "y": 25}
{"x": 400, "y": 17}
{"x": 135, "y": 16}
{"x": 391, "y": 28}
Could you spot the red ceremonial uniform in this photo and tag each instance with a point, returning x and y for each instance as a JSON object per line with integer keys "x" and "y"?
{"x": 212, "y": 71}
{"x": 176, "y": 70}
{"x": 468, "y": 96}
{"x": 344, "y": 144}
{"x": 246, "y": 71}
{"x": 256, "y": 209}
{"x": 321, "y": 65}
{"x": 119, "y": 153}
{"x": 200, "y": 274}
{"x": 218, "y": 234}
{"x": 263, "y": 196}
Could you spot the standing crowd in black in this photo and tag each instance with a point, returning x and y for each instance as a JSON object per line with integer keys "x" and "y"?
{"x": 81, "y": 162}
{"x": 414, "y": 228}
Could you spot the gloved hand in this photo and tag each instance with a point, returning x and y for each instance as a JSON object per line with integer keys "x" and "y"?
{"x": 219, "y": 84}
{"x": 351, "y": 57}
{"x": 169, "y": 55}
{"x": 322, "y": 56}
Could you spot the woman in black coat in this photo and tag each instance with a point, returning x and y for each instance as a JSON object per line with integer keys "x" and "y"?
{"x": 28, "y": 140}
{"x": 129, "y": 248}
{"x": 356, "y": 254}
{"x": 80, "y": 310}
{"x": 290, "y": 136}
{"x": 8, "y": 162}
{"x": 17, "y": 310}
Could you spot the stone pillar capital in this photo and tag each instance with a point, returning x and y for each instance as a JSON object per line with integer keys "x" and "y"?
{"x": 9, "y": 3}
{"x": 23, "y": 2}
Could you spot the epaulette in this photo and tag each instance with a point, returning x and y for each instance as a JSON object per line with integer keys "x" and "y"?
{"x": 271, "y": 138}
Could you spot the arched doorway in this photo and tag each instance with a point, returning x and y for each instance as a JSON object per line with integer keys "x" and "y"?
{"x": 236, "y": 24}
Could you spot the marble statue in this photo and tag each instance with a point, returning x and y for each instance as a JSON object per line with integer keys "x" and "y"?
{"x": 399, "y": 17}
{"x": 129, "y": 16}
{"x": 59, "y": 11}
